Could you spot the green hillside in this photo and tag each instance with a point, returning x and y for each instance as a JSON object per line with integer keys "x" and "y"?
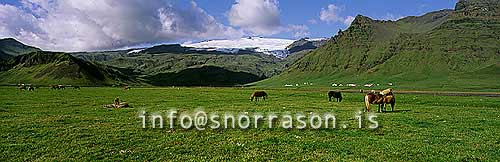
{"x": 10, "y": 47}
{"x": 152, "y": 64}
{"x": 45, "y": 68}
{"x": 438, "y": 50}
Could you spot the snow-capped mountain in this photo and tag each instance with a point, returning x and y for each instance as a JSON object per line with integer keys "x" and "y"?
{"x": 271, "y": 46}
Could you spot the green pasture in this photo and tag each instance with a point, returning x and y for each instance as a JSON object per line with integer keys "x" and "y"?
{"x": 62, "y": 125}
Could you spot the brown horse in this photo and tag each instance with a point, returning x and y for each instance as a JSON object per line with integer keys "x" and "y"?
{"x": 258, "y": 94}
{"x": 380, "y": 100}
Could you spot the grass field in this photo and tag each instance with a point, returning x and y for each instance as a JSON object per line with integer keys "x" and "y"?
{"x": 73, "y": 125}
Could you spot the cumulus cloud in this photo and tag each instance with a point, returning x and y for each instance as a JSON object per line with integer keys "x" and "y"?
{"x": 69, "y": 25}
{"x": 261, "y": 17}
{"x": 331, "y": 14}
{"x": 299, "y": 31}
{"x": 256, "y": 16}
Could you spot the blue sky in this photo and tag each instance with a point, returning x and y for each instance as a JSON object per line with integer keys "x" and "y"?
{"x": 111, "y": 24}
{"x": 301, "y": 11}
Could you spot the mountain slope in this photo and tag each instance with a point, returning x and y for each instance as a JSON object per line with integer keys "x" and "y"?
{"x": 430, "y": 51}
{"x": 58, "y": 68}
{"x": 10, "y": 47}
{"x": 203, "y": 76}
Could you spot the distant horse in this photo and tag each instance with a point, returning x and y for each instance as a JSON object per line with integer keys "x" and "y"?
{"x": 258, "y": 94}
{"x": 335, "y": 94}
{"x": 31, "y": 88}
{"x": 126, "y": 88}
{"x": 117, "y": 104}
{"x": 61, "y": 87}
{"x": 380, "y": 100}
{"x": 22, "y": 87}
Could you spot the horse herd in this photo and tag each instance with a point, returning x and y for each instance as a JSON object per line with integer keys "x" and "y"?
{"x": 381, "y": 99}
{"x": 30, "y": 87}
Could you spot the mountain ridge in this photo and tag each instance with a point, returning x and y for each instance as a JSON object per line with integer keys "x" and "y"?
{"x": 413, "y": 51}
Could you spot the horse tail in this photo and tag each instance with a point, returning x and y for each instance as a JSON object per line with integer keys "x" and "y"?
{"x": 367, "y": 102}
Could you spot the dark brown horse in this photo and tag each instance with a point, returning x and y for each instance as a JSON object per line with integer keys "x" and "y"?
{"x": 380, "y": 100}
{"x": 258, "y": 94}
{"x": 335, "y": 94}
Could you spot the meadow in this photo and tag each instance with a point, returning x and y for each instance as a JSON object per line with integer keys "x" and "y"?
{"x": 49, "y": 125}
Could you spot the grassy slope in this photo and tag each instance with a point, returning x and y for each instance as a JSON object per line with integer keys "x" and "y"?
{"x": 72, "y": 125}
{"x": 151, "y": 64}
{"x": 432, "y": 51}
{"x": 13, "y": 47}
{"x": 44, "y": 68}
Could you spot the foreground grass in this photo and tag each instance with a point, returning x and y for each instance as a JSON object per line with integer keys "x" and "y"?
{"x": 72, "y": 125}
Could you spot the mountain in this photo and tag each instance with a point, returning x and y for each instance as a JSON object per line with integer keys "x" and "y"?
{"x": 203, "y": 76}
{"x": 10, "y": 47}
{"x": 161, "y": 65}
{"x": 306, "y": 44}
{"x": 239, "y": 55}
{"x": 270, "y": 46}
{"x": 438, "y": 50}
{"x": 44, "y": 68}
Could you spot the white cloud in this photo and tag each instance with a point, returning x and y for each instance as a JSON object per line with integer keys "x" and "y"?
{"x": 69, "y": 25}
{"x": 331, "y": 14}
{"x": 299, "y": 31}
{"x": 348, "y": 20}
{"x": 256, "y": 16}
{"x": 390, "y": 16}
{"x": 261, "y": 17}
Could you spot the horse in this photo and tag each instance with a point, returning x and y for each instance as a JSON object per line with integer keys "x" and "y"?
{"x": 54, "y": 87}
{"x": 126, "y": 88}
{"x": 380, "y": 100}
{"x": 335, "y": 94}
{"x": 31, "y": 88}
{"x": 117, "y": 104}
{"x": 258, "y": 94}
{"x": 22, "y": 87}
{"x": 386, "y": 91}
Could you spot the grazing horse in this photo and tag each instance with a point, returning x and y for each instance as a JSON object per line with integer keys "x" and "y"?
{"x": 31, "y": 88}
{"x": 386, "y": 91}
{"x": 117, "y": 104}
{"x": 335, "y": 94}
{"x": 380, "y": 100}
{"x": 389, "y": 99}
{"x": 22, "y": 87}
{"x": 258, "y": 94}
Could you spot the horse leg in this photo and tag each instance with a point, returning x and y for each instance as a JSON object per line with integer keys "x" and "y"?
{"x": 367, "y": 103}
{"x": 329, "y": 98}
{"x": 392, "y": 106}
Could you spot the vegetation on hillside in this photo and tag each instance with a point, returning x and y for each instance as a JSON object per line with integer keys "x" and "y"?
{"x": 435, "y": 51}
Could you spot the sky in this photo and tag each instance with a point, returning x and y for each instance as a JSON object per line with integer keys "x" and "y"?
{"x": 92, "y": 25}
